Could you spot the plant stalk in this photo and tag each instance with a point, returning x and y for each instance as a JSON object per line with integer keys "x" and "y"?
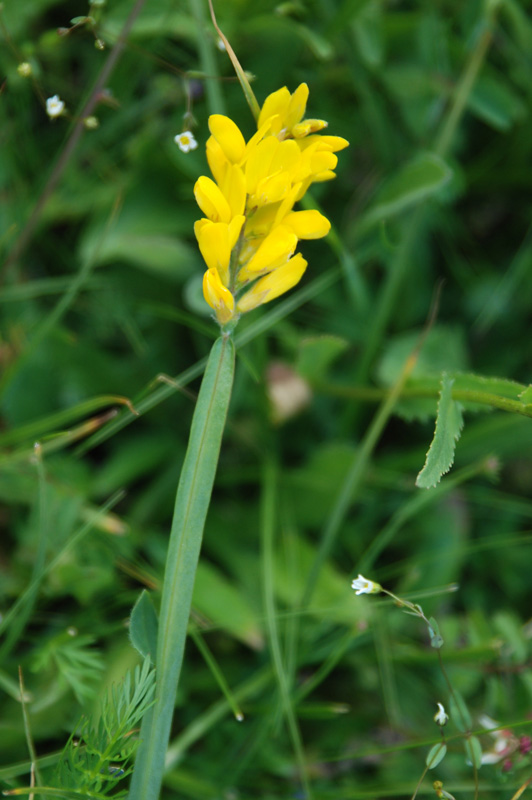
{"x": 192, "y": 503}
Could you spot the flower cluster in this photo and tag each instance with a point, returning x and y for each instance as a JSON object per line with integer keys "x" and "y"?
{"x": 250, "y": 231}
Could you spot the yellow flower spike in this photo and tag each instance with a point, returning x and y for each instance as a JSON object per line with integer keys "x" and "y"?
{"x": 218, "y": 297}
{"x": 228, "y": 136}
{"x": 296, "y": 106}
{"x": 274, "y": 251}
{"x": 308, "y": 224}
{"x": 211, "y": 200}
{"x": 250, "y": 230}
{"x": 274, "y": 284}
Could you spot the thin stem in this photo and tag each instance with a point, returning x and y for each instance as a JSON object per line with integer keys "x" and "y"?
{"x": 27, "y": 729}
{"x": 215, "y": 99}
{"x": 241, "y": 75}
{"x": 371, "y": 394}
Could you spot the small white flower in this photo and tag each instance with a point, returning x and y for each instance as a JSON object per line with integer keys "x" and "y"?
{"x": 441, "y": 716}
{"x": 54, "y": 106}
{"x": 220, "y": 44}
{"x": 362, "y": 585}
{"x": 185, "y": 141}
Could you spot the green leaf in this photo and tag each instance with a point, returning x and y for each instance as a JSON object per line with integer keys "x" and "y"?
{"x": 224, "y": 605}
{"x": 495, "y": 102}
{"x": 419, "y": 180}
{"x": 436, "y": 639}
{"x": 143, "y": 626}
{"x": 435, "y": 755}
{"x": 443, "y": 350}
{"x": 449, "y": 423}
{"x": 459, "y": 712}
{"x": 316, "y": 354}
{"x": 473, "y": 751}
{"x": 526, "y": 396}
{"x": 369, "y": 35}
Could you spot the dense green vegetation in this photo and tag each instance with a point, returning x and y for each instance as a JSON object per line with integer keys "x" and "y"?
{"x": 415, "y": 307}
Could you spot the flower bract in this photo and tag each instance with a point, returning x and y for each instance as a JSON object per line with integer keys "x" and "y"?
{"x": 250, "y": 231}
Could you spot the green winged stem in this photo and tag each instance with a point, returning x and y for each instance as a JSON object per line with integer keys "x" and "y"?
{"x": 192, "y": 503}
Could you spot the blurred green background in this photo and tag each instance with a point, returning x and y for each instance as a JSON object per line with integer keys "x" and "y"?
{"x": 101, "y": 295}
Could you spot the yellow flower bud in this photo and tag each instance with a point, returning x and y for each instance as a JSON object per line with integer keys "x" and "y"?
{"x": 218, "y": 297}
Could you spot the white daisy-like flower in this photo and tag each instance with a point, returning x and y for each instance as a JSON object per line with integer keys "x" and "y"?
{"x": 185, "y": 141}
{"x": 441, "y": 716}
{"x": 362, "y": 585}
{"x": 54, "y": 106}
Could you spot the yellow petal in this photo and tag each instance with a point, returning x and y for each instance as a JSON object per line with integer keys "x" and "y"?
{"x": 218, "y": 297}
{"x": 272, "y": 189}
{"x": 331, "y": 143}
{"x": 235, "y": 228}
{"x": 274, "y": 284}
{"x": 214, "y": 244}
{"x": 211, "y": 200}
{"x": 228, "y": 136}
{"x": 297, "y": 106}
{"x": 323, "y": 160}
{"x": 308, "y": 224}
{"x": 288, "y": 155}
{"x": 218, "y": 163}
{"x": 326, "y": 175}
{"x": 275, "y": 104}
{"x": 233, "y": 187}
{"x": 258, "y": 136}
{"x": 260, "y": 161}
{"x": 274, "y": 251}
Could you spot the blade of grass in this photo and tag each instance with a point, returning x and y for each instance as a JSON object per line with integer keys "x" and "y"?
{"x": 268, "y": 506}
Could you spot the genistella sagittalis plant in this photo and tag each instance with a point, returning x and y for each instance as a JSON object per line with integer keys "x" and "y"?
{"x": 249, "y": 234}
{"x": 248, "y": 238}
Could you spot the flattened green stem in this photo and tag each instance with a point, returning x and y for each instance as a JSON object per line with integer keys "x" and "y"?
{"x": 370, "y": 394}
{"x": 192, "y": 503}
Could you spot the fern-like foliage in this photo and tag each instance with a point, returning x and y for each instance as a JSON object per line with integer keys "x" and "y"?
{"x": 100, "y": 755}
{"x": 77, "y": 664}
